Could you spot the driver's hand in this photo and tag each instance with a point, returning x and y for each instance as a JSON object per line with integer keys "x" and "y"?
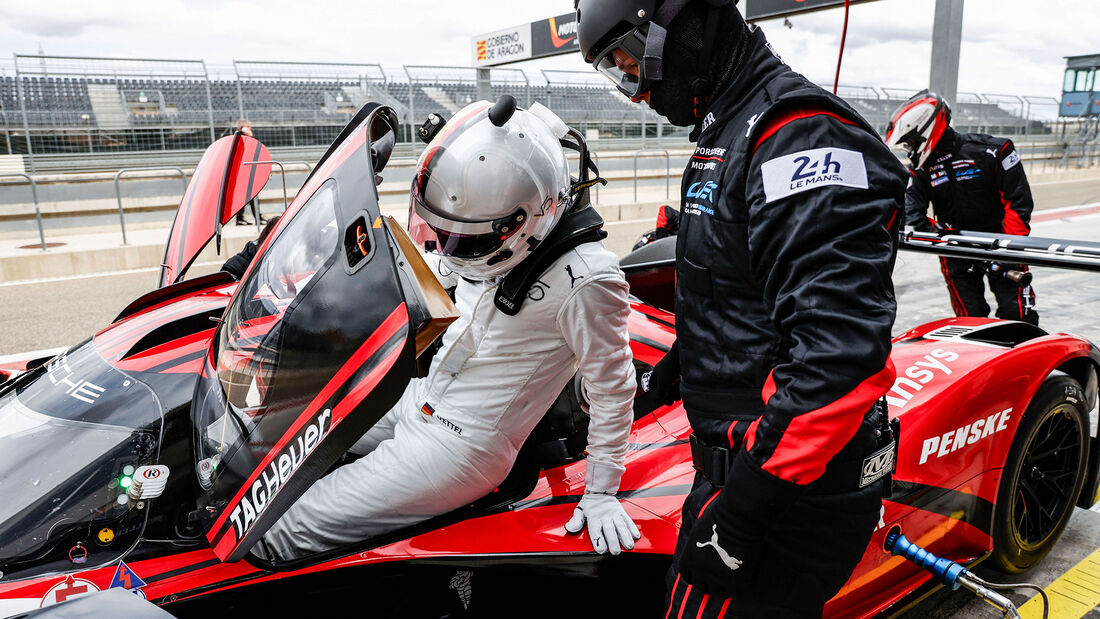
{"x": 608, "y": 525}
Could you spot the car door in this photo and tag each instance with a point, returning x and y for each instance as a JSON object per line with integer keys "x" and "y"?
{"x": 228, "y": 176}
{"x": 316, "y": 345}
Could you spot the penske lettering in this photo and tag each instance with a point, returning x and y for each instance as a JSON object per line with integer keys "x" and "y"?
{"x": 277, "y": 473}
{"x": 949, "y": 442}
{"x": 916, "y": 376}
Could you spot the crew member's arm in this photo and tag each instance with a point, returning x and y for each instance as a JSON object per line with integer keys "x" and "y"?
{"x": 917, "y": 197}
{"x": 823, "y": 199}
{"x": 593, "y": 321}
{"x": 1015, "y": 191}
{"x": 238, "y": 264}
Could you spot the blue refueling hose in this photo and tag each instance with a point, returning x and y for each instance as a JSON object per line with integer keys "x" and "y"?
{"x": 945, "y": 571}
{"x": 954, "y": 575}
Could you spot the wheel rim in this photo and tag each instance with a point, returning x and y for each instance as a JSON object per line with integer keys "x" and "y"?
{"x": 1044, "y": 484}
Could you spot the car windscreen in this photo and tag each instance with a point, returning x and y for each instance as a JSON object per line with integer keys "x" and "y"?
{"x": 248, "y": 346}
{"x": 72, "y": 435}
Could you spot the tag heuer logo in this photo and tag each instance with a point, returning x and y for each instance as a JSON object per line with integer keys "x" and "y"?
{"x": 877, "y": 465}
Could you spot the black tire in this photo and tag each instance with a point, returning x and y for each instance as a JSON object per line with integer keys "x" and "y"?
{"x": 1045, "y": 468}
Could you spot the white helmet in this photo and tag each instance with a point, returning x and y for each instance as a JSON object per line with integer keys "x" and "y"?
{"x": 491, "y": 185}
{"x": 918, "y": 125}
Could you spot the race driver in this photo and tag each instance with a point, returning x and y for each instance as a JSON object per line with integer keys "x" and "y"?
{"x": 784, "y": 305}
{"x": 539, "y": 298}
{"x": 974, "y": 182}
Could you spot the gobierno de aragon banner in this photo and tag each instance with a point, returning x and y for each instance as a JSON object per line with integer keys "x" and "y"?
{"x": 545, "y": 37}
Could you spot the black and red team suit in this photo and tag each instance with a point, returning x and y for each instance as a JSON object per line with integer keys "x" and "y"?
{"x": 791, "y": 207}
{"x": 975, "y": 182}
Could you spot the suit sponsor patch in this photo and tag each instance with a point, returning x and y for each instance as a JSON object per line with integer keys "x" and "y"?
{"x": 877, "y": 465}
{"x": 1011, "y": 160}
{"x": 792, "y": 174}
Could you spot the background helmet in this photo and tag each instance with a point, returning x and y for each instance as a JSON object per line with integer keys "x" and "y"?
{"x": 490, "y": 189}
{"x": 918, "y": 125}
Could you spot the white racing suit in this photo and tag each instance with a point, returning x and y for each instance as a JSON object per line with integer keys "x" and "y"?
{"x": 454, "y": 435}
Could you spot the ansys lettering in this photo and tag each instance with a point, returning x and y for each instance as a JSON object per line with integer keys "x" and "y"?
{"x": 916, "y": 376}
{"x": 277, "y": 473}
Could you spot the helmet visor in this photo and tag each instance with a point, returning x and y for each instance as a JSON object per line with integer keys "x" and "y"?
{"x": 621, "y": 62}
{"x": 463, "y": 239}
{"x": 467, "y": 246}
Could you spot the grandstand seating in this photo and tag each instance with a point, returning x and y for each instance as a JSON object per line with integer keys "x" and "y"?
{"x": 130, "y": 102}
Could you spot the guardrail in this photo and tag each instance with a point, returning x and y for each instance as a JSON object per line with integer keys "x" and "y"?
{"x": 34, "y": 194}
{"x": 282, "y": 174}
{"x": 652, "y": 152}
{"x": 118, "y": 192}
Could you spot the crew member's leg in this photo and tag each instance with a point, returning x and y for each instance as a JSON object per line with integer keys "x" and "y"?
{"x": 965, "y": 287}
{"x": 1014, "y": 302}
{"x": 811, "y": 551}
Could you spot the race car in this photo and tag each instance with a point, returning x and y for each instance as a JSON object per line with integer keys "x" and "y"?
{"x": 152, "y": 456}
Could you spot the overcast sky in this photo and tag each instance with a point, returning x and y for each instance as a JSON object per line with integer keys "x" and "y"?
{"x": 1009, "y": 46}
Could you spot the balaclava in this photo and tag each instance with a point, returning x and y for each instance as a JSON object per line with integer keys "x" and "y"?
{"x": 671, "y": 97}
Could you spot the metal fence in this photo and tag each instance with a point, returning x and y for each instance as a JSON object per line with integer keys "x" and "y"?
{"x": 54, "y": 109}
{"x": 306, "y": 103}
{"x": 88, "y": 105}
{"x": 592, "y": 105}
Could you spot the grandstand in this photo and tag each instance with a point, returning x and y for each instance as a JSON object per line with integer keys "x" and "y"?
{"x": 104, "y": 105}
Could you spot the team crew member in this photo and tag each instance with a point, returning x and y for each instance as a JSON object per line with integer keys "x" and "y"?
{"x": 238, "y": 264}
{"x": 791, "y": 206}
{"x": 539, "y": 298}
{"x": 974, "y": 182}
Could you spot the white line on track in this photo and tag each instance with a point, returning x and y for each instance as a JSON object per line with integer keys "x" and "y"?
{"x": 1065, "y": 182}
{"x": 66, "y": 278}
{"x": 1066, "y": 208}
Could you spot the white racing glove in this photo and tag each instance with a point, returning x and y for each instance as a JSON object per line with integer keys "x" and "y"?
{"x": 608, "y": 524}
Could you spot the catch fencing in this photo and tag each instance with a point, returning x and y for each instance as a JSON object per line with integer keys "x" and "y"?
{"x": 62, "y": 113}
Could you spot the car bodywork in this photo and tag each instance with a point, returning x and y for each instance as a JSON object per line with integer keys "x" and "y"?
{"x": 327, "y": 349}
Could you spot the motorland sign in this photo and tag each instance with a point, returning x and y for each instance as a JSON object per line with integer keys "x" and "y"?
{"x": 545, "y": 37}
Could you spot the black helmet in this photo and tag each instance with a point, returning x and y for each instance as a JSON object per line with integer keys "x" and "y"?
{"x": 635, "y": 27}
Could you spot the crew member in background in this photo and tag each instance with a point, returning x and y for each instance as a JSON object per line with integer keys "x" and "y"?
{"x": 245, "y": 127}
{"x": 790, "y": 213}
{"x": 975, "y": 182}
{"x": 238, "y": 264}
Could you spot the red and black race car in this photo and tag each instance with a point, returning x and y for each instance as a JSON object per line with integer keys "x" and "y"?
{"x": 152, "y": 456}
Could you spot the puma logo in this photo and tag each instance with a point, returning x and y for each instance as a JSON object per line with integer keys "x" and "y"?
{"x": 992, "y": 153}
{"x": 572, "y": 278}
{"x": 731, "y": 562}
{"x": 752, "y": 123}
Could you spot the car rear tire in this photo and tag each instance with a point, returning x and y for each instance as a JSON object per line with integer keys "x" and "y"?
{"x": 1042, "y": 477}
